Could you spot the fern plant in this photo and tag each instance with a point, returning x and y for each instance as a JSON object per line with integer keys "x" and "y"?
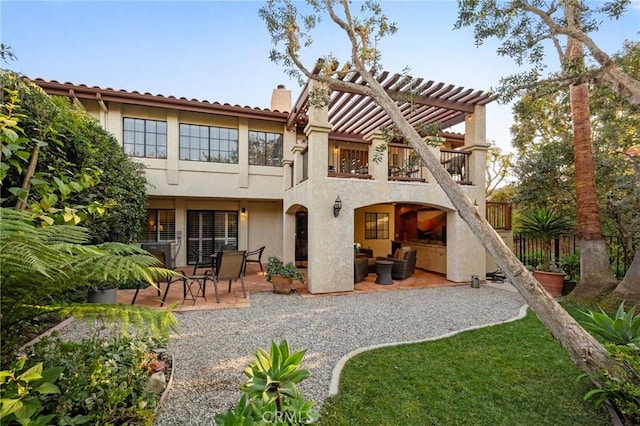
{"x": 36, "y": 263}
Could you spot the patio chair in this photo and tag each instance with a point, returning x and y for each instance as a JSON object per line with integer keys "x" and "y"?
{"x": 202, "y": 261}
{"x": 160, "y": 255}
{"x": 405, "y": 265}
{"x": 456, "y": 165}
{"x": 229, "y": 266}
{"x": 254, "y": 256}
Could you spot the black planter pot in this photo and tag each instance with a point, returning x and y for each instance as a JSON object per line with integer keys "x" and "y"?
{"x": 567, "y": 287}
{"x": 102, "y": 296}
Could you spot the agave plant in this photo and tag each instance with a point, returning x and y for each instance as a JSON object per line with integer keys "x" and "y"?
{"x": 271, "y": 394}
{"x": 622, "y": 329}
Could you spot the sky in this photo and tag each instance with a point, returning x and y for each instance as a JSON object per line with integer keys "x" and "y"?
{"x": 218, "y": 50}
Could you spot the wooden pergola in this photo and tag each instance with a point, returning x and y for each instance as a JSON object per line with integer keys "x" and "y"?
{"x": 353, "y": 115}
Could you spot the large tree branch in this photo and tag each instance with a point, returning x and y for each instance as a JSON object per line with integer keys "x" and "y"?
{"x": 619, "y": 81}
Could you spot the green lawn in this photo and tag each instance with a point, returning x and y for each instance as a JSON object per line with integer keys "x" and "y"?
{"x": 510, "y": 374}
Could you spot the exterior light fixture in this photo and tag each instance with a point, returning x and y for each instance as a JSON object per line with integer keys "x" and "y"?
{"x": 243, "y": 211}
{"x": 337, "y": 205}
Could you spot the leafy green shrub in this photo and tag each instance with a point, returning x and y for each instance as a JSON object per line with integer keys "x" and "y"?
{"x": 104, "y": 379}
{"x": 622, "y": 329}
{"x": 271, "y": 392}
{"x": 622, "y": 387}
{"x": 275, "y": 266}
{"x": 22, "y": 393}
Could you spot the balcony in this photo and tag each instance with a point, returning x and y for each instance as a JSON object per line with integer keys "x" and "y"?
{"x": 349, "y": 161}
{"x": 457, "y": 164}
{"x": 404, "y": 164}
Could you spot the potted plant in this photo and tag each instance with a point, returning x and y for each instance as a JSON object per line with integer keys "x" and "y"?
{"x": 282, "y": 275}
{"x": 102, "y": 292}
{"x": 545, "y": 225}
{"x": 571, "y": 266}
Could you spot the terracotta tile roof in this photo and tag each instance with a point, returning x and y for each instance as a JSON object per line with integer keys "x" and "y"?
{"x": 82, "y": 91}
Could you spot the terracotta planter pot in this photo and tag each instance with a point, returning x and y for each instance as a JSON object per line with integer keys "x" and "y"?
{"x": 551, "y": 281}
{"x": 281, "y": 285}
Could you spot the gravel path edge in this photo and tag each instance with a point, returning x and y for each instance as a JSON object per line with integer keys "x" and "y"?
{"x": 337, "y": 370}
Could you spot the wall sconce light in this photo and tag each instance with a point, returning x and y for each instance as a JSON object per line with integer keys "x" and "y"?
{"x": 337, "y": 206}
{"x": 243, "y": 211}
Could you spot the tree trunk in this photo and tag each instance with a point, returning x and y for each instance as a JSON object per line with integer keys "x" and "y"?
{"x": 26, "y": 181}
{"x": 588, "y": 354}
{"x": 629, "y": 287}
{"x": 596, "y": 277}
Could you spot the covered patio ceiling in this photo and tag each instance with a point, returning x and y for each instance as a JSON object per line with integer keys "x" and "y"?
{"x": 353, "y": 116}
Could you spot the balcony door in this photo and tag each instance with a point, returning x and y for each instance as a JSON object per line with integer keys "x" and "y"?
{"x": 208, "y": 231}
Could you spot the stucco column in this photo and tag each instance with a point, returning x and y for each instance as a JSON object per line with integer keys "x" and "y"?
{"x": 298, "y": 149}
{"x": 465, "y": 254}
{"x": 114, "y": 121}
{"x": 475, "y": 141}
{"x": 181, "y": 228}
{"x": 173, "y": 147}
{"x": 243, "y": 226}
{"x": 288, "y": 173}
{"x": 378, "y": 170}
{"x": 243, "y": 153}
{"x": 289, "y": 240}
{"x": 330, "y": 255}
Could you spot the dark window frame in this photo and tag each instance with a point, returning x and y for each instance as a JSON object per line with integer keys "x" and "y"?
{"x": 161, "y": 227}
{"x": 143, "y": 138}
{"x": 376, "y": 226}
{"x": 214, "y": 144}
{"x": 262, "y": 146}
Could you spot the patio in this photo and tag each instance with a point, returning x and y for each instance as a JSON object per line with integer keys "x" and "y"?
{"x": 255, "y": 282}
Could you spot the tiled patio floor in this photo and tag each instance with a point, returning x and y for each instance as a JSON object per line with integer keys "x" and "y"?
{"x": 256, "y": 282}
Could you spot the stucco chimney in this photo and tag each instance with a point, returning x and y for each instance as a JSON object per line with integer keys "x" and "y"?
{"x": 281, "y": 99}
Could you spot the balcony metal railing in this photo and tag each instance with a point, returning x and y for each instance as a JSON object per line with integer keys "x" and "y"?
{"x": 457, "y": 164}
{"x": 404, "y": 164}
{"x": 347, "y": 162}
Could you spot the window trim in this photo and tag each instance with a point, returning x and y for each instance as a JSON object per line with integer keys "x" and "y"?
{"x": 146, "y": 135}
{"x": 378, "y": 232}
{"x": 265, "y": 145}
{"x": 159, "y": 224}
{"x": 210, "y": 139}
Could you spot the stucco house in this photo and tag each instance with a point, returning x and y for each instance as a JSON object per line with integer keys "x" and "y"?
{"x": 228, "y": 174}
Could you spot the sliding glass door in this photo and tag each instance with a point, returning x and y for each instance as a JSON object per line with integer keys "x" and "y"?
{"x": 208, "y": 231}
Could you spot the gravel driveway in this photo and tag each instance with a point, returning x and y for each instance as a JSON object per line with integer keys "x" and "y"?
{"x": 213, "y": 347}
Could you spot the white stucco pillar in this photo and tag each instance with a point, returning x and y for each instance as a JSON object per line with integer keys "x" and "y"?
{"x": 114, "y": 121}
{"x": 173, "y": 147}
{"x": 330, "y": 249}
{"x": 298, "y": 149}
{"x": 465, "y": 254}
{"x": 289, "y": 243}
{"x": 378, "y": 170}
{"x": 243, "y": 153}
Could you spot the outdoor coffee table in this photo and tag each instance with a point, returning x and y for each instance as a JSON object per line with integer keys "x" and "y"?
{"x": 383, "y": 269}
